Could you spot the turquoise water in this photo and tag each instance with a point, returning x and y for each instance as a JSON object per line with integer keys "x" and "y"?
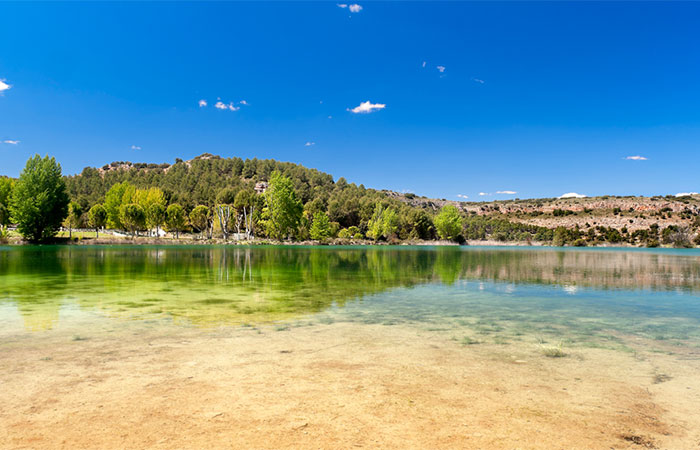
{"x": 612, "y": 298}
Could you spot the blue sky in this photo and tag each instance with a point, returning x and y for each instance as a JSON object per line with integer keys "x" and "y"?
{"x": 533, "y": 99}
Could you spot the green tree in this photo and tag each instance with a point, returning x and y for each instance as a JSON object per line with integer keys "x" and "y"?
{"x": 375, "y": 226}
{"x": 199, "y": 217}
{"x": 422, "y": 226}
{"x": 448, "y": 223}
{"x": 391, "y": 223}
{"x": 75, "y": 213}
{"x": 97, "y": 218}
{"x": 6, "y": 186}
{"x": 176, "y": 219}
{"x": 283, "y": 210}
{"x": 560, "y": 237}
{"x": 133, "y": 217}
{"x": 320, "y": 227}
{"x": 114, "y": 200}
{"x": 155, "y": 216}
{"x": 39, "y": 199}
{"x": 383, "y": 223}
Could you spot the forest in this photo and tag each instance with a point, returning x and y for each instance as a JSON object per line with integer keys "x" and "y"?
{"x": 210, "y": 197}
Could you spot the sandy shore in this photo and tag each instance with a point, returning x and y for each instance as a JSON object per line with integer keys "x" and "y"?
{"x": 336, "y": 386}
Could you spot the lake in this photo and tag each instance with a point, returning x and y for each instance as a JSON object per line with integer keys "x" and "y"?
{"x": 337, "y": 347}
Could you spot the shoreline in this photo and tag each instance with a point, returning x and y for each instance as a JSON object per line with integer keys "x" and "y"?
{"x": 187, "y": 241}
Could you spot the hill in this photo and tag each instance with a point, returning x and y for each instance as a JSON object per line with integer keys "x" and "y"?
{"x": 583, "y": 221}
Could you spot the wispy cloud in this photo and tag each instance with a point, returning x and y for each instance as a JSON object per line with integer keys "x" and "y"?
{"x": 483, "y": 193}
{"x": 135, "y": 147}
{"x": 572, "y": 195}
{"x": 309, "y": 144}
{"x": 478, "y": 80}
{"x": 686, "y": 194}
{"x": 354, "y": 8}
{"x": 10, "y": 141}
{"x": 636, "y": 158}
{"x": 367, "y": 107}
{"x": 462, "y": 196}
{"x": 4, "y": 86}
{"x": 230, "y": 106}
{"x": 441, "y": 69}
{"x": 424, "y": 63}
{"x": 506, "y": 192}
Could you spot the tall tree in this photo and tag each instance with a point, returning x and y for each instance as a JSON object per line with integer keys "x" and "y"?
{"x": 448, "y": 223}
{"x": 245, "y": 211}
{"x": 6, "y": 186}
{"x": 224, "y": 208}
{"x": 155, "y": 217}
{"x": 75, "y": 213}
{"x": 283, "y": 209}
{"x": 114, "y": 200}
{"x": 133, "y": 217}
{"x": 199, "y": 218}
{"x": 97, "y": 218}
{"x": 384, "y": 223}
{"x": 320, "y": 227}
{"x": 176, "y": 219}
{"x": 39, "y": 199}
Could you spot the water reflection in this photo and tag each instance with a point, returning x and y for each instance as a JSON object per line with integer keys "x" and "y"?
{"x": 236, "y": 285}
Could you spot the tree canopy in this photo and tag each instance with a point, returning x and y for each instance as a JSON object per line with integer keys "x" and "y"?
{"x": 282, "y": 212}
{"x": 39, "y": 200}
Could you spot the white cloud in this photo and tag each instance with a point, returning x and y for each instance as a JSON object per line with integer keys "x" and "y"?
{"x": 484, "y": 193}
{"x": 221, "y": 105}
{"x": 680, "y": 194}
{"x": 243, "y": 102}
{"x": 202, "y": 103}
{"x": 572, "y": 195}
{"x": 441, "y": 69}
{"x": 506, "y": 192}
{"x": 355, "y": 8}
{"x": 424, "y": 63}
{"x": 330, "y": 117}
{"x": 309, "y": 144}
{"x": 636, "y": 158}
{"x": 478, "y": 80}
{"x": 10, "y": 141}
{"x": 135, "y": 147}
{"x": 367, "y": 107}
{"x": 342, "y": 5}
{"x": 462, "y": 196}
{"x": 4, "y": 86}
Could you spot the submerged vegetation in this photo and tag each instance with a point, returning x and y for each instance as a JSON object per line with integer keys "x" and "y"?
{"x": 210, "y": 197}
{"x": 553, "y": 351}
{"x": 478, "y": 296}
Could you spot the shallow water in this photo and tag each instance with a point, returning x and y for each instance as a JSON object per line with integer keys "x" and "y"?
{"x": 392, "y": 347}
{"x": 478, "y": 294}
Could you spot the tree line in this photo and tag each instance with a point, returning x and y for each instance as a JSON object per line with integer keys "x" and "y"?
{"x": 213, "y": 197}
